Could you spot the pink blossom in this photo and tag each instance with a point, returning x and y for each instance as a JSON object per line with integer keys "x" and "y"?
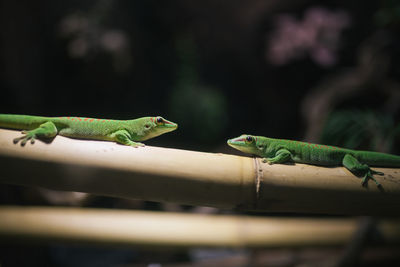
{"x": 316, "y": 35}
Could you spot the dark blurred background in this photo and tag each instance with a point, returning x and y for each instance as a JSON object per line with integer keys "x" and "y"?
{"x": 218, "y": 68}
{"x": 321, "y": 72}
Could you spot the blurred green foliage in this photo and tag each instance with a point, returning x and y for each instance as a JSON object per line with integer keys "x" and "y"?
{"x": 200, "y": 109}
{"x": 361, "y": 129}
{"x": 389, "y": 13}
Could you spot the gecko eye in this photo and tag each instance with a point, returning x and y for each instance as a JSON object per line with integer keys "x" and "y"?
{"x": 249, "y": 139}
{"x": 160, "y": 120}
{"x": 147, "y": 126}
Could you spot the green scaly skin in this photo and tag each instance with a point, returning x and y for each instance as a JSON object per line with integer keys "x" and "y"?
{"x": 281, "y": 151}
{"x": 126, "y": 132}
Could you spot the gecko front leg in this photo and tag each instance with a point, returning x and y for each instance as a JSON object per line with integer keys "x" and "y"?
{"x": 123, "y": 137}
{"x": 281, "y": 156}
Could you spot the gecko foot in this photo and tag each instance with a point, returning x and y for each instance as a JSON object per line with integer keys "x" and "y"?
{"x": 25, "y": 138}
{"x": 266, "y": 160}
{"x": 136, "y": 144}
{"x": 369, "y": 175}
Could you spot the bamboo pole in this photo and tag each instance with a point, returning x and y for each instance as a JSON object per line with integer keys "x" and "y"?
{"x": 160, "y": 229}
{"x": 196, "y": 178}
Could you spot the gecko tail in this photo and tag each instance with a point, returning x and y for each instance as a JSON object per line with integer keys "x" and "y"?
{"x": 21, "y": 122}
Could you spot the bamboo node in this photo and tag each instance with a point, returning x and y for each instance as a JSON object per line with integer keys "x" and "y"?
{"x": 258, "y": 177}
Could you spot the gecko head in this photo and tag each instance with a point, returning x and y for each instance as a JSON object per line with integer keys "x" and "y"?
{"x": 245, "y": 143}
{"x": 155, "y": 126}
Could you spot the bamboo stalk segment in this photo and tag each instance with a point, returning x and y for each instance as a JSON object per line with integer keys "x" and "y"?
{"x": 149, "y": 173}
{"x": 326, "y": 190}
{"x": 140, "y": 228}
{"x": 196, "y": 178}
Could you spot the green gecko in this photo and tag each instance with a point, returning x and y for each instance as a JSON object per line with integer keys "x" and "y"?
{"x": 281, "y": 151}
{"x": 126, "y": 132}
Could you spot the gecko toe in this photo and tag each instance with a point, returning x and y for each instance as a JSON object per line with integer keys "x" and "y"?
{"x": 364, "y": 181}
{"x": 23, "y": 142}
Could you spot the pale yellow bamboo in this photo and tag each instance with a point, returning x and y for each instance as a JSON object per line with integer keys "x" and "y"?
{"x": 139, "y": 228}
{"x": 188, "y": 177}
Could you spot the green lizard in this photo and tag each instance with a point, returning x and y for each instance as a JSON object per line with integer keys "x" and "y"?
{"x": 126, "y": 132}
{"x": 281, "y": 151}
